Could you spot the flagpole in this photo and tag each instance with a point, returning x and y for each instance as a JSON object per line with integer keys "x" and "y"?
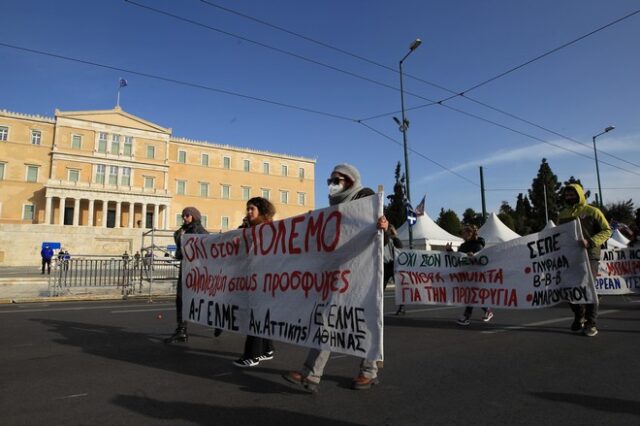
{"x": 118, "y": 98}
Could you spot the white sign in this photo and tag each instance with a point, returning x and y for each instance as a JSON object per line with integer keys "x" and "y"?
{"x": 313, "y": 280}
{"x": 619, "y": 271}
{"x": 534, "y": 271}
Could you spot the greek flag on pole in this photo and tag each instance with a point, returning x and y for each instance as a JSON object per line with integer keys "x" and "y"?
{"x": 123, "y": 82}
{"x": 420, "y": 207}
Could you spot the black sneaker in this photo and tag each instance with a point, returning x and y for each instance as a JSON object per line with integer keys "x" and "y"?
{"x": 464, "y": 321}
{"x": 577, "y": 325}
{"x": 266, "y": 356}
{"x": 180, "y": 335}
{"x": 246, "y": 362}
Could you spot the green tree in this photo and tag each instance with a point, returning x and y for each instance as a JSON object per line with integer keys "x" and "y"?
{"x": 544, "y": 180}
{"x": 522, "y": 214}
{"x": 507, "y": 220}
{"x": 395, "y": 211}
{"x": 621, "y": 212}
{"x": 449, "y": 221}
{"x": 507, "y": 215}
{"x": 470, "y": 217}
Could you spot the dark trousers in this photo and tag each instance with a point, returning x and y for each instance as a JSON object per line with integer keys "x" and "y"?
{"x": 48, "y": 263}
{"x": 587, "y": 312}
{"x": 179, "y": 320}
{"x": 256, "y": 346}
{"x": 469, "y": 310}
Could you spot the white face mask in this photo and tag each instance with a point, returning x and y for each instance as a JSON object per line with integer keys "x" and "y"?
{"x": 334, "y": 189}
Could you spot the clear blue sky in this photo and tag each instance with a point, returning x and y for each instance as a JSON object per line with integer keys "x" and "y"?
{"x": 576, "y": 92}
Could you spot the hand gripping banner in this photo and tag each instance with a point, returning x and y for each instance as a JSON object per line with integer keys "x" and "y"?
{"x": 312, "y": 280}
{"x": 534, "y": 271}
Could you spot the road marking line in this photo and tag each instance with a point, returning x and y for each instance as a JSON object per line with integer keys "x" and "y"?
{"x": 409, "y": 311}
{"x": 84, "y": 308}
{"x": 538, "y": 323}
{"x": 77, "y": 395}
{"x": 127, "y": 311}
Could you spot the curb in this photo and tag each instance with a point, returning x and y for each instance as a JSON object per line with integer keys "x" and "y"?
{"x": 86, "y": 298}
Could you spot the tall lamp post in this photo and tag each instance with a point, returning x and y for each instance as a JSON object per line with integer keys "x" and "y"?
{"x": 404, "y": 125}
{"x": 595, "y": 154}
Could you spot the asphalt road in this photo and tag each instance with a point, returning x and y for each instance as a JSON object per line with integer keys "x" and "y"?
{"x": 105, "y": 363}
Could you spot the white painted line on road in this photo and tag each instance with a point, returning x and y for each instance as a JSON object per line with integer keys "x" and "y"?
{"x": 77, "y": 308}
{"x": 539, "y": 323}
{"x": 77, "y": 395}
{"x": 128, "y": 311}
{"x": 410, "y": 311}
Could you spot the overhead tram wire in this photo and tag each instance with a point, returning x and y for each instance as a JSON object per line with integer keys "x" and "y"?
{"x": 276, "y": 49}
{"x": 445, "y": 168}
{"x": 463, "y": 94}
{"x": 217, "y": 90}
{"x": 535, "y": 138}
{"x": 180, "y": 82}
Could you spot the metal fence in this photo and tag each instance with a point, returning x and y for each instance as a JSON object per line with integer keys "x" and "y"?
{"x": 93, "y": 272}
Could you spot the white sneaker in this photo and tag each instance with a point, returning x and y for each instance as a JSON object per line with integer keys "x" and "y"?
{"x": 487, "y": 316}
{"x": 266, "y": 357}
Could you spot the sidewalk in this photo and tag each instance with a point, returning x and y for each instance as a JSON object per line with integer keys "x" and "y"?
{"x": 28, "y": 284}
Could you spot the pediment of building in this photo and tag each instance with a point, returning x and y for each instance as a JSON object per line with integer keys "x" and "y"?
{"x": 113, "y": 117}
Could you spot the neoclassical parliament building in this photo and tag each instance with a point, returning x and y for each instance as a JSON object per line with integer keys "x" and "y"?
{"x": 95, "y": 180}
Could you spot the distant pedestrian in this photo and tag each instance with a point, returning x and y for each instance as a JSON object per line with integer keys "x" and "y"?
{"x": 472, "y": 244}
{"x": 256, "y": 349}
{"x": 190, "y": 225}
{"x": 595, "y": 231}
{"x": 46, "y": 254}
{"x": 391, "y": 243}
{"x": 136, "y": 260}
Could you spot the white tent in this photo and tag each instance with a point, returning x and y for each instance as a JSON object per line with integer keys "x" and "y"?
{"x": 427, "y": 235}
{"x": 494, "y": 231}
{"x": 549, "y": 225}
{"x": 617, "y": 235}
{"x": 615, "y": 244}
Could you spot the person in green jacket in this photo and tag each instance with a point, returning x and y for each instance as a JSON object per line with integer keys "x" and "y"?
{"x": 595, "y": 232}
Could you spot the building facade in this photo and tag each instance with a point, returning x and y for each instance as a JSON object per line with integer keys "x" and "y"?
{"x": 112, "y": 170}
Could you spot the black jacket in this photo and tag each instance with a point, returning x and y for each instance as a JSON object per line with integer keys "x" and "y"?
{"x": 472, "y": 246}
{"x": 194, "y": 227}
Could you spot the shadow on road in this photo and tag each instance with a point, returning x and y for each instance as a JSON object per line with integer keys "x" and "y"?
{"x": 203, "y": 414}
{"x": 146, "y": 350}
{"x": 613, "y": 405}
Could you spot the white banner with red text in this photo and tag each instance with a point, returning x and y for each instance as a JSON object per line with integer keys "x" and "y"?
{"x": 534, "y": 271}
{"x": 312, "y": 280}
{"x": 619, "y": 272}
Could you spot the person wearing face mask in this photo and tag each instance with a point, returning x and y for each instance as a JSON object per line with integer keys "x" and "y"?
{"x": 344, "y": 186}
{"x": 595, "y": 232}
{"x": 190, "y": 225}
{"x": 256, "y": 349}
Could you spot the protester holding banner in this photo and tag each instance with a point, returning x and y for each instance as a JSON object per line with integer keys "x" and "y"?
{"x": 472, "y": 244}
{"x": 190, "y": 225}
{"x": 256, "y": 349}
{"x": 595, "y": 231}
{"x": 344, "y": 186}
{"x": 391, "y": 242}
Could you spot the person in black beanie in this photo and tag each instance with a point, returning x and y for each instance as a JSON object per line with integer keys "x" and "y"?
{"x": 191, "y": 224}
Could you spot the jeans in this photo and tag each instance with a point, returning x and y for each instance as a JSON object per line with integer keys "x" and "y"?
{"x": 588, "y": 312}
